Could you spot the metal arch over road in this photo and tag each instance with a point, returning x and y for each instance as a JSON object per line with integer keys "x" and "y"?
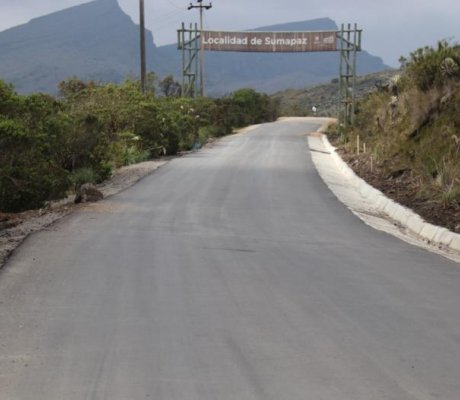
{"x": 230, "y": 273}
{"x": 347, "y": 41}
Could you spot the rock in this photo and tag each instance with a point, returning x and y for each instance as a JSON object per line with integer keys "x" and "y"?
{"x": 391, "y": 86}
{"x": 6, "y": 224}
{"x": 394, "y": 107}
{"x": 88, "y": 193}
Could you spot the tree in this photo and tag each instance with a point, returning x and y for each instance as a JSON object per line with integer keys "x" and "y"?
{"x": 74, "y": 86}
{"x": 169, "y": 87}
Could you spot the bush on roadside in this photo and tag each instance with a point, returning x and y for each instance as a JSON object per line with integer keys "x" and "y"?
{"x": 432, "y": 66}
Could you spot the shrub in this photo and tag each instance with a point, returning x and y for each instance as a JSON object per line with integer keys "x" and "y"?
{"x": 82, "y": 176}
{"x": 430, "y": 66}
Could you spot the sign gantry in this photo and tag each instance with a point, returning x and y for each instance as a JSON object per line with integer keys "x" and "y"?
{"x": 347, "y": 41}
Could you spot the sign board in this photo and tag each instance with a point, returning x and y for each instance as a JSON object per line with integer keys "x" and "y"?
{"x": 269, "y": 42}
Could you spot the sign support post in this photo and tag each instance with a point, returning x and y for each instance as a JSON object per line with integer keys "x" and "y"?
{"x": 189, "y": 43}
{"x": 350, "y": 43}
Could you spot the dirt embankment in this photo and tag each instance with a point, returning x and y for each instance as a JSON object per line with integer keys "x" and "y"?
{"x": 405, "y": 137}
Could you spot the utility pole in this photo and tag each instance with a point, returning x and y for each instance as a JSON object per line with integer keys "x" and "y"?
{"x": 142, "y": 40}
{"x": 201, "y": 7}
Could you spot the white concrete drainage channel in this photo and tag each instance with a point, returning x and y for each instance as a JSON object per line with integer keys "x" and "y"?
{"x": 373, "y": 207}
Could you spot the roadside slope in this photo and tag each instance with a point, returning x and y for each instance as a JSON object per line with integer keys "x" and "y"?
{"x": 406, "y": 136}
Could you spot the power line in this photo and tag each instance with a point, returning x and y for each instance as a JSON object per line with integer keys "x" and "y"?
{"x": 174, "y": 5}
{"x": 166, "y": 19}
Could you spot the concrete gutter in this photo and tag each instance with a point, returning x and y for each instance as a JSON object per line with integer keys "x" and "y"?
{"x": 370, "y": 204}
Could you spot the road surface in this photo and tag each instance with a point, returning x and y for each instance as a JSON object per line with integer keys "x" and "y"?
{"x": 229, "y": 274}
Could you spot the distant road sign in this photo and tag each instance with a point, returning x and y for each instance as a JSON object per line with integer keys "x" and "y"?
{"x": 270, "y": 42}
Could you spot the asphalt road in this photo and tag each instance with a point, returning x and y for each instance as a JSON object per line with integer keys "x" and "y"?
{"x": 232, "y": 273}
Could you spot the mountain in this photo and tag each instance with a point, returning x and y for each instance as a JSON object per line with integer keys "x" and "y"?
{"x": 95, "y": 40}
{"x": 98, "y": 41}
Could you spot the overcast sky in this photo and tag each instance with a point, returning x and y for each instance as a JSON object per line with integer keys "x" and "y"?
{"x": 391, "y": 28}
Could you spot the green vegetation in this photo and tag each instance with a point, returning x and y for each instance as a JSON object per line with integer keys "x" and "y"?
{"x": 50, "y": 146}
{"x": 411, "y": 126}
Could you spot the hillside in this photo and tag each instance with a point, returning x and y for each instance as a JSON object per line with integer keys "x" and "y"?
{"x": 411, "y": 133}
{"x": 299, "y": 102}
{"x": 98, "y": 41}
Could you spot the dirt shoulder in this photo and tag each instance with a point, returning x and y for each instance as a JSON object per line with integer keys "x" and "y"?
{"x": 14, "y": 228}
